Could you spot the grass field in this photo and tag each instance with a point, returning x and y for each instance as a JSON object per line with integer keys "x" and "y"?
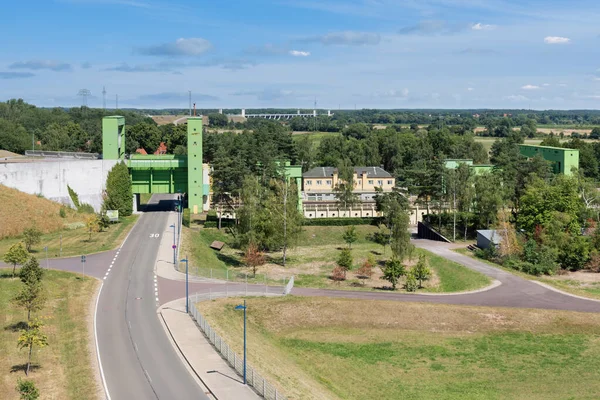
{"x": 316, "y": 137}
{"x": 312, "y": 260}
{"x": 316, "y": 348}
{"x": 21, "y": 210}
{"x": 75, "y": 242}
{"x": 63, "y": 369}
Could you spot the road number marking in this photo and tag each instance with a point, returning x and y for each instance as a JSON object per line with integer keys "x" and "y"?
{"x": 155, "y": 235}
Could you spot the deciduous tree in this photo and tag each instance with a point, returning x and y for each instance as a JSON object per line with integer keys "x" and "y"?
{"x": 421, "y": 271}
{"x": 253, "y": 257}
{"x": 350, "y": 236}
{"x": 30, "y": 337}
{"x": 17, "y": 254}
{"x": 393, "y": 270}
{"x": 31, "y": 237}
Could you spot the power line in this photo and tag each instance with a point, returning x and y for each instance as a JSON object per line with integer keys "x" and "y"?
{"x": 84, "y": 93}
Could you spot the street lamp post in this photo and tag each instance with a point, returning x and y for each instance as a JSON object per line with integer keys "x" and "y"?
{"x": 187, "y": 310}
{"x": 174, "y": 246}
{"x": 243, "y": 307}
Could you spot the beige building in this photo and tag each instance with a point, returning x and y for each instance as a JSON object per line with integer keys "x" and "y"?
{"x": 318, "y": 196}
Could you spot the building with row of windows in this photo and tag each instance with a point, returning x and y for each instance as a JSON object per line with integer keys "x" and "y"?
{"x": 318, "y": 194}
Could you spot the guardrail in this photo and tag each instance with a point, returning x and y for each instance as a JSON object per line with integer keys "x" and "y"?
{"x": 253, "y": 378}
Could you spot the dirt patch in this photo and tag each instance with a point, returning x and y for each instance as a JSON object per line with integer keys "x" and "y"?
{"x": 583, "y": 277}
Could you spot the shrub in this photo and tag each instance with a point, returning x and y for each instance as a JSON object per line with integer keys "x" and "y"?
{"x": 62, "y": 212}
{"x": 85, "y": 208}
{"x": 186, "y": 217}
{"x": 27, "y": 390}
{"x": 31, "y": 237}
{"x": 338, "y": 274}
{"x": 74, "y": 197}
{"x": 118, "y": 190}
{"x": 411, "y": 284}
{"x": 345, "y": 259}
{"x": 392, "y": 271}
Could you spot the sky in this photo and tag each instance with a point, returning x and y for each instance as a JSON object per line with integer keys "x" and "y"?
{"x": 528, "y": 54}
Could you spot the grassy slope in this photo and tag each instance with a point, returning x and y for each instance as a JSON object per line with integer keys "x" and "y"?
{"x": 75, "y": 242}
{"x": 64, "y": 368}
{"x": 312, "y": 260}
{"x": 356, "y": 349}
{"x": 21, "y": 210}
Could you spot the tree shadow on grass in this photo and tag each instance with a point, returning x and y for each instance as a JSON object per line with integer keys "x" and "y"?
{"x": 229, "y": 260}
{"x": 7, "y": 273}
{"x": 23, "y": 368}
{"x": 16, "y": 327}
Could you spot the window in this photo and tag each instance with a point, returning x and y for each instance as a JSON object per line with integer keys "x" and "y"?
{"x": 319, "y": 182}
{"x": 308, "y": 182}
{"x": 328, "y": 182}
{"x": 380, "y": 183}
{"x": 359, "y": 181}
{"x": 390, "y": 182}
{"x": 370, "y": 182}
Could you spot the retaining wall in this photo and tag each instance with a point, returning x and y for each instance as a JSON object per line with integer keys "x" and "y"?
{"x": 50, "y": 179}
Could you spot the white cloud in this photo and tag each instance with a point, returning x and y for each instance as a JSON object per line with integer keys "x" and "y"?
{"x": 393, "y": 93}
{"x": 530, "y": 87}
{"x": 470, "y": 89}
{"x": 518, "y": 97}
{"x": 299, "y": 53}
{"x": 348, "y": 38}
{"x": 562, "y": 84}
{"x": 545, "y": 84}
{"x": 41, "y": 64}
{"x": 482, "y": 27}
{"x": 180, "y": 47}
{"x": 556, "y": 40}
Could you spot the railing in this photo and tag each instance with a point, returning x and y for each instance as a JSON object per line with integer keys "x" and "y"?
{"x": 61, "y": 154}
{"x": 253, "y": 378}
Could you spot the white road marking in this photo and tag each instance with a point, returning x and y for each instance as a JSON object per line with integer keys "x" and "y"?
{"x": 148, "y": 376}
{"x": 157, "y": 299}
{"x": 98, "y": 348}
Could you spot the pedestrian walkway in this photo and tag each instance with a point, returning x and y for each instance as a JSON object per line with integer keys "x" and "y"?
{"x": 201, "y": 356}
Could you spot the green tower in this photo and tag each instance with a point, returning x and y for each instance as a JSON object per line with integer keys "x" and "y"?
{"x": 194, "y": 148}
{"x": 113, "y": 138}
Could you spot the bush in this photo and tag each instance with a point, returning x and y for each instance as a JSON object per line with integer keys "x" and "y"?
{"x": 341, "y": 221}
{"x": 411, "y": 284}
{"x": 338, "y": 274}
{"x": 85, "y": 208}
{"x": 31, "y": 237}
{"x": 27, "y": 390}
{"x": 345, "y": 259}
{"x": 62, "y": 212}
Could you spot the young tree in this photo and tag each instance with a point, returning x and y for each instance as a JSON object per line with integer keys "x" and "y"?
{"x": 509, "y": 245}
{"x": 411, "y": 284}
{"x": 92, "y": 224}
{"x": 338, "y": 274}
{"x": 382, "y": 237}
{"x": 344, "y": 189}
{"x": 366, "y": 270}
{"x": 31, "y": 237}
{"x": 33, "y": 336}
{"x": 31, "y": 271}
{"x": 350, "y": 236}
{"x": 392, "y": 271}
{"x": 421, "y": 271}
{"x": 17, "y": 254}
{"x": 345, "y": 260}
{"x": 119, "y": 195}
{"x": 287, "y": 218}
{"x": 103, "y": 222}
{"x": 488, "y": 198}
{"x": 253, "y": 257}
{"x": 27, "y": 390}
{"x": 32, "y": 298}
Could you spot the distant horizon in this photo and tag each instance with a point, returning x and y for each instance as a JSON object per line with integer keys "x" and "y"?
{"x": 377, "y": 54}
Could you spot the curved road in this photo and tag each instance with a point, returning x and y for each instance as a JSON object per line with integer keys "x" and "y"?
{"x": 137, "y": 358}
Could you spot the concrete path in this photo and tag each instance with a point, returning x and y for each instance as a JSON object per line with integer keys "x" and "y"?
{"x": 224, "y": 383}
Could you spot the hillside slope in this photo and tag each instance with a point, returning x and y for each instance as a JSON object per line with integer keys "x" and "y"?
{"x": 19, "y": 211}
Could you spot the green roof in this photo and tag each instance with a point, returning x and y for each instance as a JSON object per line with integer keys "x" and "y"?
{"x": 547, "y": 147}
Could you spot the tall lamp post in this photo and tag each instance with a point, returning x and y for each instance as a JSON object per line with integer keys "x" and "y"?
{"x": 187, "y": 310}
{"x": 174, "y": 245}
{"x": 243, "y": 307}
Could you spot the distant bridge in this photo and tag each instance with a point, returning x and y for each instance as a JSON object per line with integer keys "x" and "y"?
{"x": 284, "y": 116}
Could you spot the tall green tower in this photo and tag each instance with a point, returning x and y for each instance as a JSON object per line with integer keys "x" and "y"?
{"x": 194, "y": 148}
{"x": 113, "y": 138}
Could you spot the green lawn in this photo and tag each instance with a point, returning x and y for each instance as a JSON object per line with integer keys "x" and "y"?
{"x": 63, "y": 370}
{"x": 317, "y": 348}
{"x": 312, "y": 260}
{"x": 76, "y": 241}
{"x": 316, "y": 137}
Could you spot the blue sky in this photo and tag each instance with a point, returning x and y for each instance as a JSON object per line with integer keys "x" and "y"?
{"x": 285, "y": 53}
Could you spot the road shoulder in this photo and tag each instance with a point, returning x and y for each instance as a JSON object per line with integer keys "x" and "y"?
{"x": 199, "y": 356}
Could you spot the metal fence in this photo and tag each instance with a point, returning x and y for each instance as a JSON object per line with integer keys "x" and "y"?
{"x": 253, "y": 378}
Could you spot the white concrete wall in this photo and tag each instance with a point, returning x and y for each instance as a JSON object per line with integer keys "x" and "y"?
{"x": 50, "y": 178}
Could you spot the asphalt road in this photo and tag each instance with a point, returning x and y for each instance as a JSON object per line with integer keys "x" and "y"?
{"x": 138, "y": 361}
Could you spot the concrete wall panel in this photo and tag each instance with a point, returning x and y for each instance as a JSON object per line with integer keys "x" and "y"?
{"x": 50, "y": 179}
